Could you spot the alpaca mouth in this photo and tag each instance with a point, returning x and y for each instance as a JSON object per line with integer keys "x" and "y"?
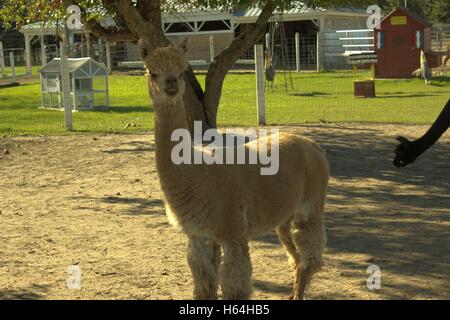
{"x": 171, "y": 92}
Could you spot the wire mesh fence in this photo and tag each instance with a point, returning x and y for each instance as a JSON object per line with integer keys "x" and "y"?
{"x": 14, "y": 64}
{"x": 293, "y": 97}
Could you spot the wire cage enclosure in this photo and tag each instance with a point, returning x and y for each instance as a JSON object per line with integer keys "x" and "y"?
{"x": 89, "y": 89}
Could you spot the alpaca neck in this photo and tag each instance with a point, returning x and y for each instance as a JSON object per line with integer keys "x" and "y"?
{"x": 178, "y": 182}
{"x": 433, "y": 134}
{"x": 170, "y": 116}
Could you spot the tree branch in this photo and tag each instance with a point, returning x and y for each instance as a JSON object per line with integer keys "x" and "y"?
{"x": 109, "y": 34}
{"x": 113, "y": 34}
{"x": 225, "y": 60}
{"x": 149, "y": 32}
{"x": 142, "y": 23}
{"x": 148, "y": 7}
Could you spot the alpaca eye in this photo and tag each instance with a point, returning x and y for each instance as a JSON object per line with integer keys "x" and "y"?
{"x": 153, "y": 75}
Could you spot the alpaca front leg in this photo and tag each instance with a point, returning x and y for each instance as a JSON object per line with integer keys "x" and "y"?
{"x": 204, "y": 261}
{"x": 236, "y": 270}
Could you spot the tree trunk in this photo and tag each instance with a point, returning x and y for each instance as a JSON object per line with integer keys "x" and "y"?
{"x": 142, "y": 23}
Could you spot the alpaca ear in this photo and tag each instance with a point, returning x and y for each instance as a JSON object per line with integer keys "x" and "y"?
{"x": 143, "y": 45}
{"x": 184, "y": 45}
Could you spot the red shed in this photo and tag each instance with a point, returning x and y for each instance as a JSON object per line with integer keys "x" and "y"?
{"x": 401, "y": 36}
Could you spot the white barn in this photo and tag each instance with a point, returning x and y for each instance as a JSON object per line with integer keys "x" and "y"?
{"x": 213, "y": 30}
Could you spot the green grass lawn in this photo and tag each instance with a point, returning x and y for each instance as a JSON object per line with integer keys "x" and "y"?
{"x": 20, "y": 71}
{"x": 316, "y": 97}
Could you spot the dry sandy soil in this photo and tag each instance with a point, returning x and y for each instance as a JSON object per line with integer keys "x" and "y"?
{"x": 94, "y": 201}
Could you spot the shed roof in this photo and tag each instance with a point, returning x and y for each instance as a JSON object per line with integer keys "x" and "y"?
{"x": 82, "y": 66}
{"x": 411, "y": 14}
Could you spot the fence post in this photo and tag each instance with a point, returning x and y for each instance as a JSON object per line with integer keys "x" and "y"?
{"x": 260, "y": 92}
{"x": 297, "y": 51}
{"x": 100, "y": 50}
{"x": 319, "y": 51}
{"x": 212, "y": 54}
{"x": 108, "y": 56}
{"x": 2, "y": 61}
{"x": 13, "y": 66}
{"x": 28, "y": 55}
{"x": 65, "y": 77}
{"x": 88, "y": 44}
{"x": 43, "y": 53}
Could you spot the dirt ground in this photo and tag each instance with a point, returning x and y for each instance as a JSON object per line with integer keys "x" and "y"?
{"x": 94, "y": 201}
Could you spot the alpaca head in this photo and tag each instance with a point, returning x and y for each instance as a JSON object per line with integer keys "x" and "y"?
{"x": 165, "y": 69}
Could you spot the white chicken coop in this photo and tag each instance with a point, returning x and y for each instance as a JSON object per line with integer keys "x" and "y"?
{"x": 88, "y": 85}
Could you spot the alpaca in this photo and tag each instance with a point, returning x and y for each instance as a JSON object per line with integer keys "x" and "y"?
{"x": 425, "y": 71}
{"x": 446, "y": 57}
{"x": 221, "y": 207}
{"x": 408, "y": 151}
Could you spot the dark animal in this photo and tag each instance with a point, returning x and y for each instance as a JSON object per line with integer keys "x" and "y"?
{"x": 408, "y": 151}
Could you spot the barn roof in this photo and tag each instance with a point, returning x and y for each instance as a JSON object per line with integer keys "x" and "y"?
{"x": 299, "y": 12}
{"x": 410, "y": 14}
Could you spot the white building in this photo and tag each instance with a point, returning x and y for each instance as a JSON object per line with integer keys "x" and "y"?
{"x": 212, "y": 31}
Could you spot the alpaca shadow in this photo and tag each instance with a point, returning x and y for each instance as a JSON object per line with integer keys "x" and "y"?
{"x": 270, "y": 238}
{"x": 132, "y": 146}
{"x": 271, "y": 287}
{"x": 129, "y": 206}
{"x": 138, "y": 206}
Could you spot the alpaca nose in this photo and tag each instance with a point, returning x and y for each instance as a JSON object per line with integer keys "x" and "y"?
{"x": 172, "y": 83}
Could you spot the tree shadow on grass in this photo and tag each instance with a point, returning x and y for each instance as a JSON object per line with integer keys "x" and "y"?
{"x": 445, "y": 79}
{"x": 123, "y": 109}
{"x": 131, "y": 109}
{"x": 312, "y": 94}
{"x": 407, "y": 96}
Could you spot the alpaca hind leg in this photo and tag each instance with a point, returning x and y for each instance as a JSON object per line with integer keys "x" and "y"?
{"x": 284, "y": 235}
{"x": 308, "y": 235}
{"x": 236, "y": 271}
{"x": 204, "y": 261}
